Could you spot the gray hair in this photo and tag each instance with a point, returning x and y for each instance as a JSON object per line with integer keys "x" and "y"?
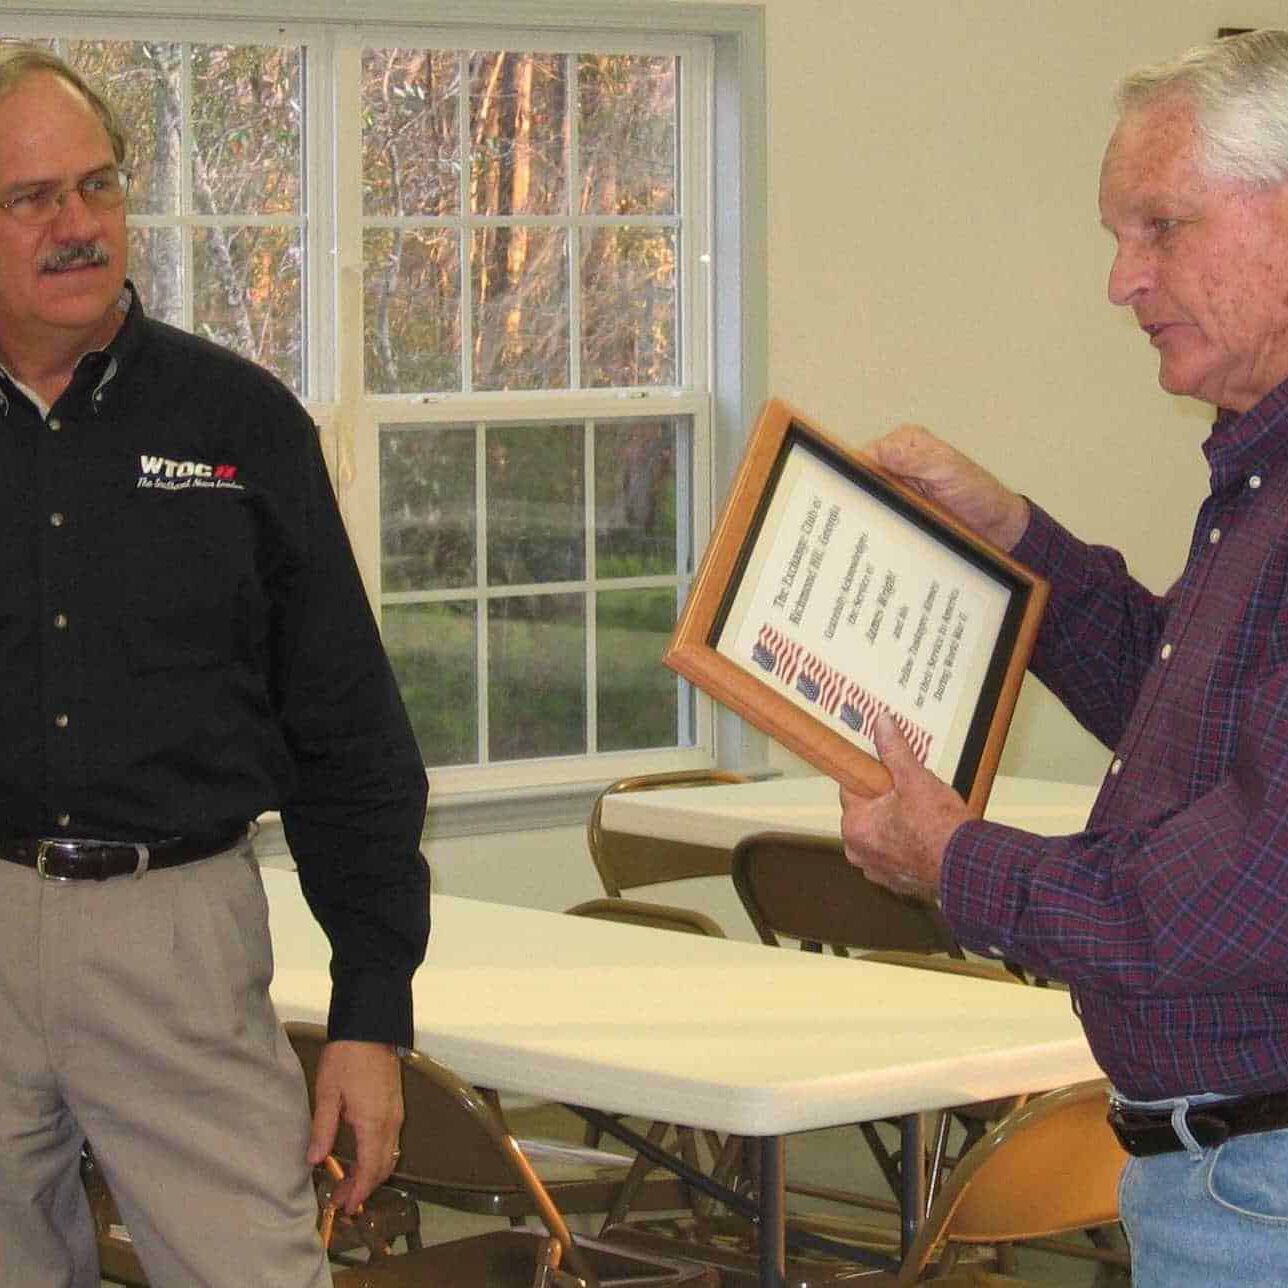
{"x": 17, "y": 62}
{"x": 1239, "y": 90}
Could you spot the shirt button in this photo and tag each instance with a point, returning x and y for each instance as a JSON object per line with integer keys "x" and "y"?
{"x": 60, "y": 621}
{"x": 61, "y": 720}
{"x": 64, "y": 819}
{"x": 1254, "y": 481}
{"x": 55, "y": 424}
{"x": 56, "y": 520}
{"x": 1165, "y": 652}
{"x": 1214, "y": 536}
{"x": 1116, "y": 767}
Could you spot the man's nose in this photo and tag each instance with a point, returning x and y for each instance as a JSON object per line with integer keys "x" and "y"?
{"x": 1129, "y": 275}
{"x": 74, "y": 218}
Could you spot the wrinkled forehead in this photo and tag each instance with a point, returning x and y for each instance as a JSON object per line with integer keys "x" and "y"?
{"x": 47, "y": 123}
{"x": 1153, "y": 149}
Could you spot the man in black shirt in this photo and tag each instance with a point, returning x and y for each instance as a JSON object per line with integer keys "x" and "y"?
{"x": 184, "y": 644}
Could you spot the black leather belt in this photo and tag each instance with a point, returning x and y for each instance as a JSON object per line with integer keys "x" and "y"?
{"x": 1144, "y": 1132}
{"x": 78, "y": 859}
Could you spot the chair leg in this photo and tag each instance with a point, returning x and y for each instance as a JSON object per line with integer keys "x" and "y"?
{"x": 634, "y": 1178}
{"x": 938, "y": 1155}
{"x": 1007, "y": 1261}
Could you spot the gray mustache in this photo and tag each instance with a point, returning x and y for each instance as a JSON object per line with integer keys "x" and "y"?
{"x": 66, "y": 257}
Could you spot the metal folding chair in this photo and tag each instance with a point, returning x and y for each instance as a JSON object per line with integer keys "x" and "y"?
{"x": 460, "y": 1173}
{"x": 627, "y": 862}
{"x": 1049, "y": 1168}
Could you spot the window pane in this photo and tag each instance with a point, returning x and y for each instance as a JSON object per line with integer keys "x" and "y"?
{"x": 627, "y": 134}
{"x": 141, "y": 81}
{"x": 427, "y": 509}
{"x": 156, "y": 268}
{"x": 247, "y": 295}
{"x": 246, "y": 110}
{"x": 411, "y": 318}
{"x": 629, "y": 318}
{"x": 635, "y": 497}
{"x": 520, "y": 289}
{"x": 535, "y": 505}
{"x": 432, "y": 648}
{"x": 537, "y": 677}
{"x": 518, "y": 134}
{"x": 636, "y": 693}
{"x": 411, "y": 156}
{"x": 246, "y": 114}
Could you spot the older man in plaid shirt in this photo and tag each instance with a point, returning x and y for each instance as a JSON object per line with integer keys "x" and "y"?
{"x": 1168, "y": 916}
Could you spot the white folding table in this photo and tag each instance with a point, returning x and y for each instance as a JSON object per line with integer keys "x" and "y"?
{"x": 722, "y": 815}
{"x": 708, "y": 1032}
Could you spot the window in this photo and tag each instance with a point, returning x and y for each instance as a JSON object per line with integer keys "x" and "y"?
{"x": 484, "y": 258}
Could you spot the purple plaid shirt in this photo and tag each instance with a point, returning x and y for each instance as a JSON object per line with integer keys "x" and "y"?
{"x": 1169, "y": 915}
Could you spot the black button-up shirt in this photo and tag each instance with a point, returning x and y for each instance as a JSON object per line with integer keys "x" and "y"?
{"x": 185, "y": 643}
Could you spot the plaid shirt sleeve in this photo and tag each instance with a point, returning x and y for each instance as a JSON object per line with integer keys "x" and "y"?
{"x": 1164, "y": 897}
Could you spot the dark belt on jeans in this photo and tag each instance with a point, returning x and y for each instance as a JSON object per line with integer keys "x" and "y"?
{"x": 79, "y": 859}
{"x": 1144, "y": 1131}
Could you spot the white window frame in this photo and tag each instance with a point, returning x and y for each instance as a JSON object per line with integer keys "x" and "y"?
{"x": 732, "y": 300}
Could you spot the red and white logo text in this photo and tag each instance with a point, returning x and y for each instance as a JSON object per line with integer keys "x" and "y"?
{"x": 160, "y": 473}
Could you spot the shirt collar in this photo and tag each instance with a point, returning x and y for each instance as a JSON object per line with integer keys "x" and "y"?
{"x": 104, "y": 359}
{"x": 1250, "y": 442}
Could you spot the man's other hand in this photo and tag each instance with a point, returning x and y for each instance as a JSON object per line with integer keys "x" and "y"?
{"x": 954, "y": 481}
{"x": 358, "y": 1083}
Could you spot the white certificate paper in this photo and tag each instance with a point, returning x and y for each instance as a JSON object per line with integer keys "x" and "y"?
{"x": 848, "y": 608}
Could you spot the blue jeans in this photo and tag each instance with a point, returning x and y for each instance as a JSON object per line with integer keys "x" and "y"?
{"x": 1208, "y": 1218}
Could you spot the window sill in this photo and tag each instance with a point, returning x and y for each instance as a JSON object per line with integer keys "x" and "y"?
{"x": 477, "y": 813}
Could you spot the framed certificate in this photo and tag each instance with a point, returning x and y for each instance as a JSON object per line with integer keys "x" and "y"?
{"x": 831, "y": 592}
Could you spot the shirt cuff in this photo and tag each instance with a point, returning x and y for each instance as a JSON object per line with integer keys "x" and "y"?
{"x": 984, "y": 885}
{"x": 371, "y": 1007}
{"x": 1051, "y": 550}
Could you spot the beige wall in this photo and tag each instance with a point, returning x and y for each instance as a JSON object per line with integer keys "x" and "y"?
{"x": 935, "y": 254}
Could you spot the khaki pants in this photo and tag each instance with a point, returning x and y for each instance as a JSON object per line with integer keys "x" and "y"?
{"x": 135, "y": 1012}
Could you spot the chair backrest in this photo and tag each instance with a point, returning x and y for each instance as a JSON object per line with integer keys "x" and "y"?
{"x": 458, "y": 1141}
{"x": 1050, "y": 1167}
{"x": 658, "y": 916}
{"x": 801, "y": 887}
{"x": 625, "y": 861}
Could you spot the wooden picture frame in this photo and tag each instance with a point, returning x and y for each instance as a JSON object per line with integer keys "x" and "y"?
{"x": 830, "y": 591}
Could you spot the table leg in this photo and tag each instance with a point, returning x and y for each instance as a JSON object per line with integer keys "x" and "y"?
{"x": 768, "y": 1210}
{"x": 773, "y": 1253}
{"x": 912, "y": 1176}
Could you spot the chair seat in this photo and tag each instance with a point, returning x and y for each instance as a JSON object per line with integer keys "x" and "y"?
{"x": 509, "y": 1259}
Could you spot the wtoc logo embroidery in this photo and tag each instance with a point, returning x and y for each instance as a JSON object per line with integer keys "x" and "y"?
{"x": 164, "y": 475}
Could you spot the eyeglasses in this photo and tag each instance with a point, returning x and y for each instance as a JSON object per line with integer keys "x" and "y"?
{"x": 40, "y": 203}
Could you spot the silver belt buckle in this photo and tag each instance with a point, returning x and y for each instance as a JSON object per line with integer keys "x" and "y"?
{"x": 43, "y": 847}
